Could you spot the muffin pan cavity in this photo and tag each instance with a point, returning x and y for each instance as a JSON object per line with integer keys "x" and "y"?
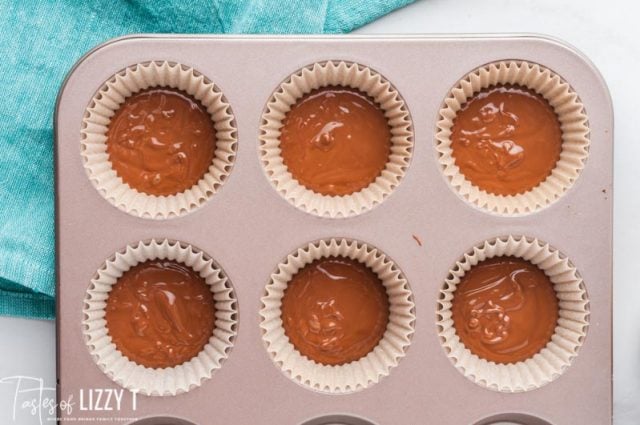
{"x": 496, "y": 306}
{"x": 338, "y": 420}
{"x": 171, "y": 160}
{"x": 155, "y": 307}
{"x": 332, "y": 320}
{"x": 494, "y": 138}
{"x": 328, "y": 170}
{"x": 334, "y": 287}
{"x": 513, "y": 419}
{"x": 164, "y": 420}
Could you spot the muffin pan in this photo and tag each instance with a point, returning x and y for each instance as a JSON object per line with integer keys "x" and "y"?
{"x": 418, "y": 229}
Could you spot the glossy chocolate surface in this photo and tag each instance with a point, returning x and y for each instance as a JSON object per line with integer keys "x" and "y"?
{"x": 335, "y": 140}
{"x": 506, "y": 140}
{"x": 335, "y": 310}
{"x": 505, "y": 310}
{"x": 160, "y": 313}
{"x": 161, "y": 141}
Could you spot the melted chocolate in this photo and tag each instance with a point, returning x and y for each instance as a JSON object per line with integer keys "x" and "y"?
{"x": 160, "y": 314}
{"x": 335, "y": 141}
{"x": 506, "y": 140}
{"x": 335, "y": 310}
{"x": 505, "y": 310}
{"x": 161, "y": 141}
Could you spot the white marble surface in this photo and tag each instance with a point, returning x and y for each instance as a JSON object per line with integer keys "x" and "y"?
{"x": 608, "y": 32}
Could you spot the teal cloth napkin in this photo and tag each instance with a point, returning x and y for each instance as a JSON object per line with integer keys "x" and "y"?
{"x": 39, "y": 42}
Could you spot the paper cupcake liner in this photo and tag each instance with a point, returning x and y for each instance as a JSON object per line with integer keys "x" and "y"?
{"x": 340, "y": 74}
{"x": 107, "y": 101}
{"x": 573, "y": 124}
{"x": 570, "y": 330}
{"x": 358, "y": 374}
{"x": 167, "y": 381}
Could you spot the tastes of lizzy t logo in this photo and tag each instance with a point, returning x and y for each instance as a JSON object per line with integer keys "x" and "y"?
{"x": 32, "y": 398}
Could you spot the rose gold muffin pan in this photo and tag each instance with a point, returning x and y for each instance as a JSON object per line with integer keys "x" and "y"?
{"x": 423, "y": 227}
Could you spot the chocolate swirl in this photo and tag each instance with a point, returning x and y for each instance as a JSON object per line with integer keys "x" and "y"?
{"x": 505, "y": 309}
{"x": 335, "y": 310}
{"x": 506, "y": 139}
{"x": 335, "y": 140}
{"x": 160, "y": 313}
{"x": 161, "y": 141}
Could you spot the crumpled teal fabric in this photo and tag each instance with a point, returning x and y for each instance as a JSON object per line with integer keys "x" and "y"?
{"x": 39, "y": 42}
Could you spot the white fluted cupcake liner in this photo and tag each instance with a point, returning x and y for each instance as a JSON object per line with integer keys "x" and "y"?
{"x": 358, "y": 374}
{"x": 573, "y": 122}
{"x": 570, "y": 330}
{"x": 167, "y": 381}
{"x": 336, "y": 74}
{"x": 105, "y": 104}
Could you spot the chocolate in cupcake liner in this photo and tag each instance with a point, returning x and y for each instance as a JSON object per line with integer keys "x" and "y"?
{"x": 573, "y": 125}
{"x": 344, "y": 74}
{"x": 166, "y": 381}
{"x": 104, "y": 105}
{"x": 358, "y": 374}
{"x": 570, "y": 331}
